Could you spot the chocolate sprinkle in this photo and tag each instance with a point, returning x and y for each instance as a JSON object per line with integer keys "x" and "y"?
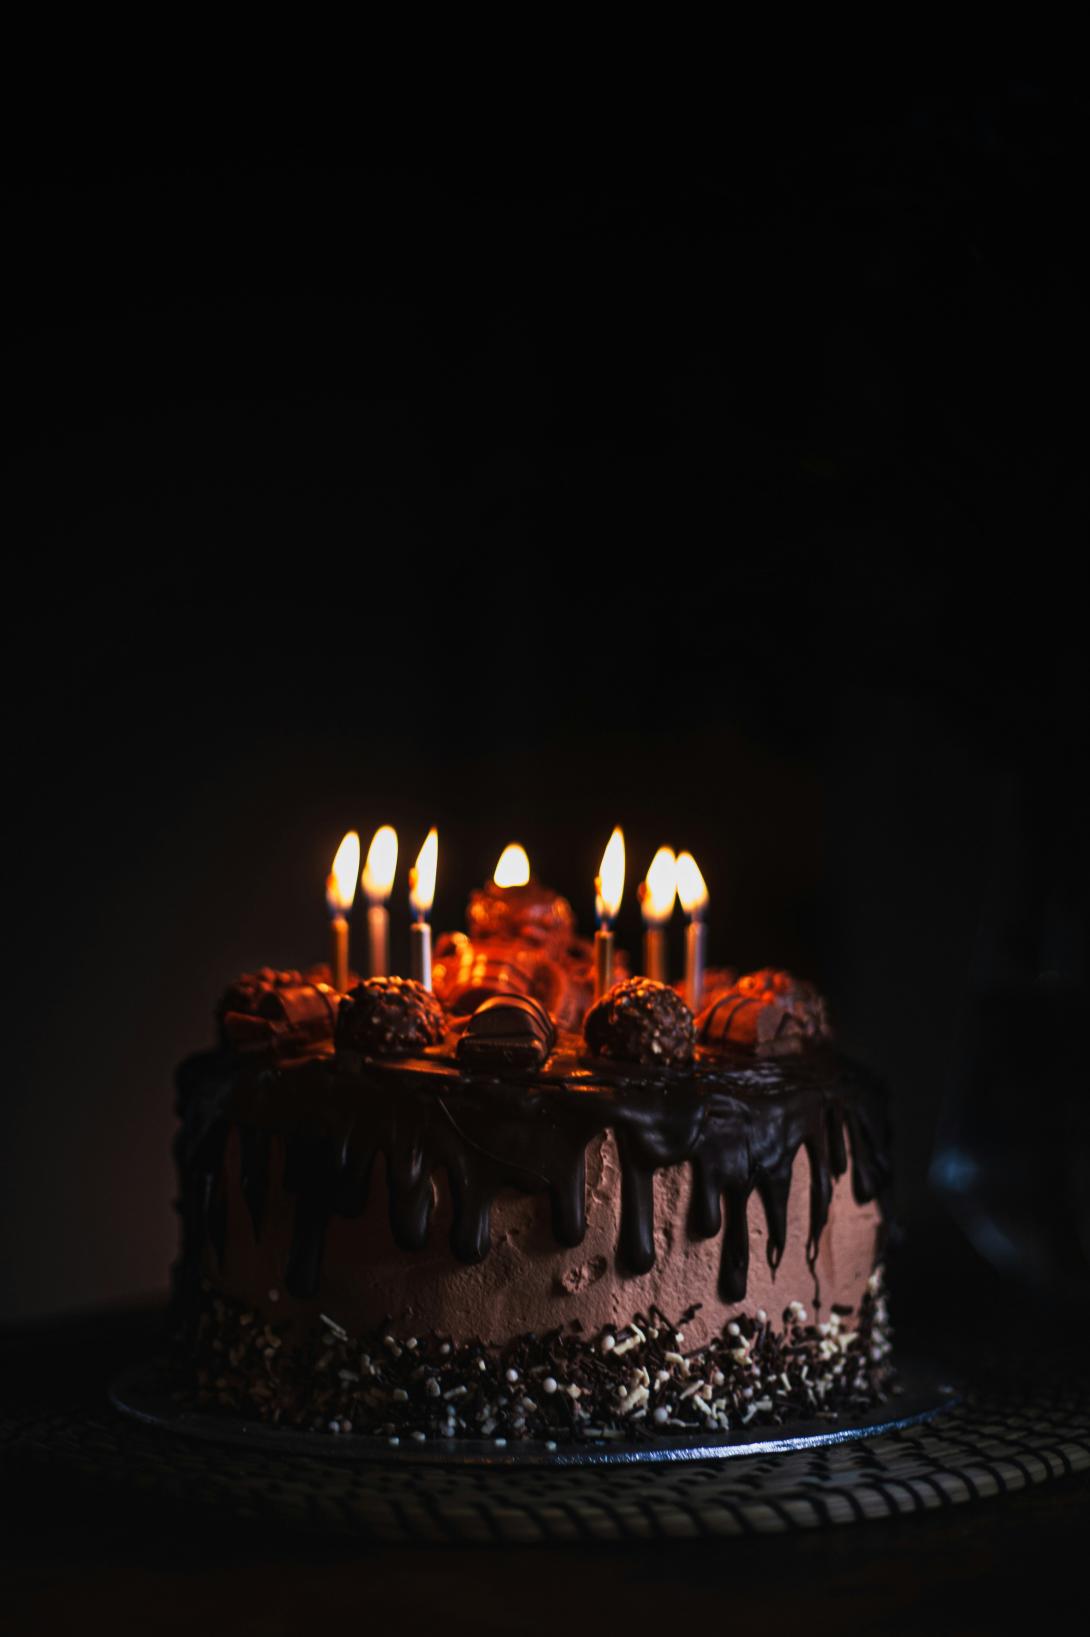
{"x": 626, "y": 1384}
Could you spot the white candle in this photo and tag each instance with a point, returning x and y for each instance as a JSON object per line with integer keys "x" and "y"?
{"x": 694, "y": 901}
{"x": 340, "y": 891}
{"x": 377, "y": 882}
{"x": 657, "y": 894}
{"x": 421, "y": 898}
{"x": 608, "y": 891}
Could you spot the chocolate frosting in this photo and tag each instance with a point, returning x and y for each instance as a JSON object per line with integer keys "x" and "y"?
{"x": 736, "y": 1119}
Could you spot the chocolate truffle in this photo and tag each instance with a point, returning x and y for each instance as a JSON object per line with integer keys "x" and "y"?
{"x": 390, "y": 1017}
{"x": 640, "y": 1021}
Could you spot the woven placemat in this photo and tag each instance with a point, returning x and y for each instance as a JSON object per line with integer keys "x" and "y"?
{"x": 991, "y": 1443}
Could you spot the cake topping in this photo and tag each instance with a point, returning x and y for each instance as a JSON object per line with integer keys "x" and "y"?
{"x": 529, "y": 913}
{"x": 465, "y": 973}
{"x": 768, "y": 1010}
{"x": 283, "y": 1009}
{"x": 507, "y": 1031}
{"x": 639, "y": 1021}
{"x": 390, "y": 1017}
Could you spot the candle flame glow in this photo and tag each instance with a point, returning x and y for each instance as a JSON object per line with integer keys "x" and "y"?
{"x": 513, "y": 869}
{"x": 609, "y": 883}
{"x": 381, "y": 866}
{"x": 660, "y": 889}
{"x": 340, "y": 887}
{"x": 422, "y": 875}
{"x": 691, "y": 888}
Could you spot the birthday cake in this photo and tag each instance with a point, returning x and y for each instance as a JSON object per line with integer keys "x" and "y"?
{"x": 502, "y": 1208}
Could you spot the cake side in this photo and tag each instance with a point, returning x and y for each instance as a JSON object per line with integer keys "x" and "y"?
{"x": 339, "y": 1209}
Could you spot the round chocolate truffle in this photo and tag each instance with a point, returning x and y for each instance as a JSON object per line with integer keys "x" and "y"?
{"x": 389, "y": 1017}
{"x": 640, "y": 1021}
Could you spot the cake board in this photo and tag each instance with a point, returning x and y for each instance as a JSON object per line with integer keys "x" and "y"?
{"x": 984, "y": 1444}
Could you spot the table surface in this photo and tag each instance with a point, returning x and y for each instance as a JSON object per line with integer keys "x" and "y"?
{"x": 147, "y": 1566}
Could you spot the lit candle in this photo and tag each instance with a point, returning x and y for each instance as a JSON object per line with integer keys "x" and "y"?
{"x": 421, "y": 898}
{"x": 377, "y": 881}
{"x": 513, "y": 869}
{"x": 657, "y": 896}
{"x": 340, "y": 890}
{"x": 608, "y": 890}
{"x": 694, "y": 901}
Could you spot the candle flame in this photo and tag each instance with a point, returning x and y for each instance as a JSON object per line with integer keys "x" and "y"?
{"x": 691, "y": 888}
{"x": 340, "y": 887}
{"x": 381, "y": 866}
{"x": 660, "y": 889}
{"x": 422, "y": 874}
{"x": 609, "y": 883}
{"x": 513, "y": 869}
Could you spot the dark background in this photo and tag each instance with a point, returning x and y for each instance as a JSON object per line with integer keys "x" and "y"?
{"x": 731, "y": 493}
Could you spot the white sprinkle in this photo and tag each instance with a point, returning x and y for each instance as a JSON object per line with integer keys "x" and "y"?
{"x": 400, "y": 1396}
{"x": 718, "y": 1378}
{"x": 445, "y": 1349}
{"x": 432, "y": 1387}
{"x": 501, "y": 1443}
{"x": 334, "y": 1426}
{"x": 733, "y": 1329}
{"x": 274, "y": 1294}
{"x": 393, "y": 1442}
{"x": 608, "y": 1343}
{"x": 419, "y": 1437}
{"x": 550, "y": 1443}
{"x": 549, "y": 1384}
{"x": 512, "y": 1375}
{"x": 481, "y": 1365}
{"x": 762, "y": 1316}
{"x": 661, "y": 1416}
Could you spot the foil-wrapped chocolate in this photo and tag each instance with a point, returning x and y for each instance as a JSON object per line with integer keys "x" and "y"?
{"x": 640, "y": 1021}
{"x": 465, "y": 973}
{"x": 507, "y": 1032}
{"x": 531, "y": 914}
{"x": 280, "y": 1009}
{"x": 390, "y": 1017}
{"x": 767, "y": 1011}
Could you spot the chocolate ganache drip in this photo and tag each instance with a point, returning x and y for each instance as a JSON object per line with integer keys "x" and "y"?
{"x": 736, "y": 1119}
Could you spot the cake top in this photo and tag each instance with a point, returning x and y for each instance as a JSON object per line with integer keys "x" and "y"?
{"x": 504, "y": 1074}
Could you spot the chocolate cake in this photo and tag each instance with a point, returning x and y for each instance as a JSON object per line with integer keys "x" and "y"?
{"x": 505, "y": 1210}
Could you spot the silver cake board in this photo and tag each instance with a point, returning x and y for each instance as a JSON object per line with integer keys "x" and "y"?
{"x": 914, "y": 1457}
{"x": 147, "y": 1393}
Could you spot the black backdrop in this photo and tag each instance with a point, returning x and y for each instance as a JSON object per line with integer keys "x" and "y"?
{"x": 729, "y": 494}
